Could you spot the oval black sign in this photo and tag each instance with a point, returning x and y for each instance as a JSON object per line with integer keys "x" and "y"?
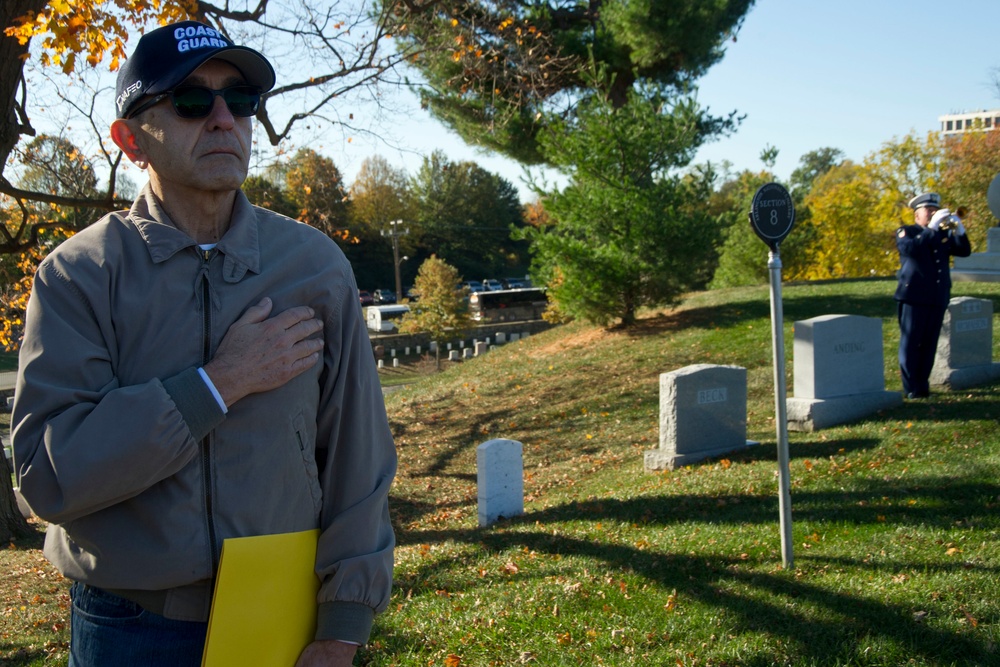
{"x": 772, "y": 214}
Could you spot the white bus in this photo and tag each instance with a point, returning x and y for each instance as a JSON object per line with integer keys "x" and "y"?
{"x": 382, "y": 319}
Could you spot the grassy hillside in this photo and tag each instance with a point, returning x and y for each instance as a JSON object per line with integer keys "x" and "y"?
{"x": 895, "y": 518}
{"x": 896, "y": 529}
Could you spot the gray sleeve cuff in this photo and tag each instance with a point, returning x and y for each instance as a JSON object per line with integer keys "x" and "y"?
{"x": 346, "y": 621}
{"x": 195, "y": 402}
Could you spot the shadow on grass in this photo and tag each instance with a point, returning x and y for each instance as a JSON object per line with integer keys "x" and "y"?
{"x": 713, "y": 578}
{"x": 707, "y": 579}
{"x": 734, "y": 314}
{"x": 11, "y": 657}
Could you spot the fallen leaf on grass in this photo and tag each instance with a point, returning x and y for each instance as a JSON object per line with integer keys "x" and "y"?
{"x": 452, "y": 661}
{"x": 972, "y": 621}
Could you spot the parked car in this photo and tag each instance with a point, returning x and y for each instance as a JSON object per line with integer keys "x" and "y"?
{"x": 492, "y": 285}
{"x": 366, "y": 298}
{"x": 473, "y": 286}
{"x": 515, "y": 283}
{"x": 412, "y": 294}
{"x": 384, "y": 296}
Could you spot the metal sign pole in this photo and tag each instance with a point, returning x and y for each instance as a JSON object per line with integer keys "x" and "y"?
{"x": 780, "y": 409}
{"x": 772, "y": 215}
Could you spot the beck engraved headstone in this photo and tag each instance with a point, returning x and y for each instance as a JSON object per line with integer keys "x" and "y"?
{"x": 839, "y": 372}
{"x": 500, "y": 476}
{"x": 703, "y": 413}
{"x": 965, "y": 347}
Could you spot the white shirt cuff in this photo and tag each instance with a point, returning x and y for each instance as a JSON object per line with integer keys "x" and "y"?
{"x": 211, "y": 388}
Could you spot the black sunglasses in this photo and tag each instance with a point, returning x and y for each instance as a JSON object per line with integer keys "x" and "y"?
{"x": 197, "y": 101}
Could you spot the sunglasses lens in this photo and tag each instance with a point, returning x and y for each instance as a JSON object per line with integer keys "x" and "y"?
{"x": 193, "y": 102}
{"x": 196, "y": 101}
{"x": 242, "y": 100}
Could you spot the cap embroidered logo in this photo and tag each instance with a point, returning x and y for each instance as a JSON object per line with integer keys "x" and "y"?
{"x": 199, "y": 37}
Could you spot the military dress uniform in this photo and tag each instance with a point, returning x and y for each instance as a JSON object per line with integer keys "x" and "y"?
{"x": 922, "y": 294}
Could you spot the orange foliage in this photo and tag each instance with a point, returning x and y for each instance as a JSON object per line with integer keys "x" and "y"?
{"x": 93, "y": 30}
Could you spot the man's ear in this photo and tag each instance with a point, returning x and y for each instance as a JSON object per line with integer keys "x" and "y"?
{"x": 124, "y": 137}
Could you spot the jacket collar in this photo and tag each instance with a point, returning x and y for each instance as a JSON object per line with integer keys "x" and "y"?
{"x": 240, "y": 244}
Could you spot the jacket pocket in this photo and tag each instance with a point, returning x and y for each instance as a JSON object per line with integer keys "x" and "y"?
{"x": 307, "y": 450}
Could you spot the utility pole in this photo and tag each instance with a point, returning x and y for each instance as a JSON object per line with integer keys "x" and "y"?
{"x": 395, "y": 232}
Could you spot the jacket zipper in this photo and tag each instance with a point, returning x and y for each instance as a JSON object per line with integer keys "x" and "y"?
{"x": 206, "y": 457}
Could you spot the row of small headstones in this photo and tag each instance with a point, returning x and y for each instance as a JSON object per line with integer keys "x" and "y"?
{"x": 478, "y": 348}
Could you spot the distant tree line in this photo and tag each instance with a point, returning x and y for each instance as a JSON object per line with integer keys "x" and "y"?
{"x": 456, "y": 210}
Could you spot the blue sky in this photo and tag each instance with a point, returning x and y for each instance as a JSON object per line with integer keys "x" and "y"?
{"x": 808, "y": 74}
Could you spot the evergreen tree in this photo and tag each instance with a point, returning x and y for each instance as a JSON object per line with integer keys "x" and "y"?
{"x": 628, "y": 232}
{"x": 501, "y": 70}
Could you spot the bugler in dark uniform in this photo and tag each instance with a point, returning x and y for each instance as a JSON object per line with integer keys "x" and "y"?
{"x": 924, "y": 287}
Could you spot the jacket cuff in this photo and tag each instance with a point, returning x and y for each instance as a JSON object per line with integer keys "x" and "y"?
{"x": 345, "y": 621}
{"x": 194, "y": 400}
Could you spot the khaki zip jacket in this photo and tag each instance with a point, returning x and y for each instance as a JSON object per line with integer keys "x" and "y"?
{"x": 120, "y": 445}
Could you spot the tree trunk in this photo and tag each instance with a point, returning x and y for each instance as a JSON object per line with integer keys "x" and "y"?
{"x": 12, "y": 523}
{"x": 12, "y": 56}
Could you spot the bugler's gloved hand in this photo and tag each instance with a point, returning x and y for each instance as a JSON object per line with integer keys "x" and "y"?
{"x": 938, "y": 218}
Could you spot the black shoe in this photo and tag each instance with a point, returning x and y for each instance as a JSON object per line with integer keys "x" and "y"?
{"x": 916, "y": 396}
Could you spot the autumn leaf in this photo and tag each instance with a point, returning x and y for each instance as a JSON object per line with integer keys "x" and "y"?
{"x": 452, "y": 660}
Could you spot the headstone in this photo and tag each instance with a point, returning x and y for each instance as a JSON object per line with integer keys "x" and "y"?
{"x": 981, "y": 266}
{"x": 395, "y": 362}
{"x": 392, "y": 353}
{"x": 433, "y": 346}
{"x": 838, "y": 355}
{"x": 406, "y": 351}
{"x": 418, "y": 349}
{"x": 454, "y": 355}
{"x": 525, "y": 334}
{"x": 500, "y": 477}
{"x": 501, "y": 338}
{"x": 449, "y": 346}
{"x": 515, "y": 337}
{"x": 461, "y": 344}
{"x": 467, "y": 353}
{"x": 965, "y": 347}
{"x": 703, "y": 413}
{"x": 379, "y": 351}
{"x": 487, "y": 340}
{"x": 839, "y": 372}
{"x": 481, "y": 348}
{"x": 381, "y": 363}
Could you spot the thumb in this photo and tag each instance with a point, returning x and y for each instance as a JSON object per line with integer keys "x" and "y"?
{"x": 257, "y": 313}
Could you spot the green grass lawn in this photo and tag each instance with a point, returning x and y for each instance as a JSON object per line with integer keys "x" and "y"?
{"x": 895, "y": 518}
{"x": 8, "y": 361}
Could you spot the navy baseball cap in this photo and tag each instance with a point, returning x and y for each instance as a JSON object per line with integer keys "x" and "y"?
{"x": 166, "y": 56}
{"x": 926, "y": 199}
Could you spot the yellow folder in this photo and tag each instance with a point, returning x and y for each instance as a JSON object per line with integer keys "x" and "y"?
{"x": 264, "y": 607}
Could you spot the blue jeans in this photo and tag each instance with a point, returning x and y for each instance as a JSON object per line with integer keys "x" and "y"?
{"x": 109, "y": 631}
